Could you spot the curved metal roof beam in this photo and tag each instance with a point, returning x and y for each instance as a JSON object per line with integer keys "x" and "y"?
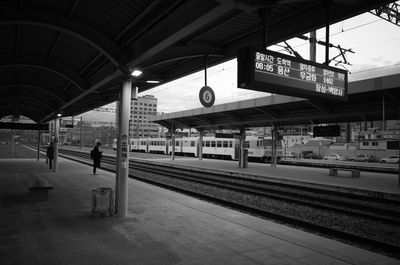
{"x": 51, "y": 20}
{"x": 31, "y": 112}
{"x": 38, "y": 62}
{"x": 27, "y": 101}
{"x": 41, "y": 87}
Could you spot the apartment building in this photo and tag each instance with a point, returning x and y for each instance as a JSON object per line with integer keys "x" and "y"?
{"x": 141, "y": 109}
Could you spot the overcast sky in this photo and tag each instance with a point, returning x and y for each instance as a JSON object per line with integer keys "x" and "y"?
{"x": 375, "y": 43}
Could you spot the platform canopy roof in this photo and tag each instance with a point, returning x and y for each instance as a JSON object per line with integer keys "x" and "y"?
{"x": 372, "y": 96}
{"x": 68, "y": 56}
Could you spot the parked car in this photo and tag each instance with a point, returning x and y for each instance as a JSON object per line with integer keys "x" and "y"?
{"x": 289, "y": 155}
{"x": 362, "y": 158}
{"x": 390, "y": 159}
{"x": 334, "y": 157}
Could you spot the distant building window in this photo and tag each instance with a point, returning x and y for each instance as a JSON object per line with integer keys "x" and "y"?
{"x": 365, "y": 143}
{"x": 375, "y": 143}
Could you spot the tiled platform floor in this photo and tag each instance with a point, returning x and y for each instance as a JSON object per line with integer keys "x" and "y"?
{"x": 163, "y": 227}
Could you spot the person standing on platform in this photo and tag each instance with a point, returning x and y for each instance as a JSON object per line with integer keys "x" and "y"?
{"x": 96, "y": 155}
{"x": 50, "y": 154}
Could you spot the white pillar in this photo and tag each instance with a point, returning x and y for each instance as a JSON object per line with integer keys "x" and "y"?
{"x": 38, "y": 144}
{"x": 118, "y": 154}
{"x": 123, "y": 167}
{"x": 56, "y": 136}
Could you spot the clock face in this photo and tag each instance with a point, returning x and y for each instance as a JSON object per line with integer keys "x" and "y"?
{"x": 207, "y": 96}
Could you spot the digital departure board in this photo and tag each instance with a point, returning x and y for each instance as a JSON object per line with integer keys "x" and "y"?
{"x": 273, "y": 72}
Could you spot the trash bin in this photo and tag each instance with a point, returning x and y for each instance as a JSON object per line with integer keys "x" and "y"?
{"x": 102, "y": 202}
{"x": 246, "y": 158}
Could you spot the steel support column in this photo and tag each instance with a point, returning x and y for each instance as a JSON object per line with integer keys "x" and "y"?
{"x": 173, "y": 141}
{"x": 12, "y": 142}
{"x": 123, "y": 136}
{"x": 80, "y": 134}
{"x": 242, "y": 147}
{"x": 313, "y": 46}
{"x": 38, "y": 144}
{"x": 56, "y": 136}
{"x": 201, "y": 134}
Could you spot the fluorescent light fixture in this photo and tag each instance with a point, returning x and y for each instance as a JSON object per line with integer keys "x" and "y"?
{"x": 153, "y": 81}
{"x": 136, "y": 73}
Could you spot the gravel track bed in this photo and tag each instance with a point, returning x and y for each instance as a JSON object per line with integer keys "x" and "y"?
{"x": 364, "y": 227}
{"x": 312, "y": 195}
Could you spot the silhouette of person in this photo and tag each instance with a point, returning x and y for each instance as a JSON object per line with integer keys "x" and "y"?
{"x": 50, "y": 154}
{"x": 96, "y": 155}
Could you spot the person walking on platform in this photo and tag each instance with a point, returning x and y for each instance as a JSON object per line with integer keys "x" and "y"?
{"x": 96, "y": 155}
{"x": 50, "y": 154}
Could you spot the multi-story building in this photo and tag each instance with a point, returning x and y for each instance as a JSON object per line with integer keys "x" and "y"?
{"x": 141, "y": 109}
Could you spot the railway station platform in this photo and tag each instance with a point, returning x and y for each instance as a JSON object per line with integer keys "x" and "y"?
{"x": 369, "y": 183}
{"x": 162, "y": 227}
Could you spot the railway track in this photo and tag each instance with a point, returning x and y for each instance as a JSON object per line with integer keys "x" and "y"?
{"x": 373, "y": 223}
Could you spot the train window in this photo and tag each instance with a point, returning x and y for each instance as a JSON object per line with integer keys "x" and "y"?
{"x": 212, "y": 143}
{"x": 225, "y": 144}
{"x": 230, "y": 144}
{"x": 177, "y": 143}
{"x": 219, "y": 144}
{"x": 207, "y": 144}
{"x": 246, "y": 144}
{"x": 192, "y": 143}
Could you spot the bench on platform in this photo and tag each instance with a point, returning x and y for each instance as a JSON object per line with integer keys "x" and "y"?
{"x": 355, "y": 173}
{"x": 39, "y": 188}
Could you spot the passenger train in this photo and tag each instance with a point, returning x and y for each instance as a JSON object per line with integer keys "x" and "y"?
{"x": 258, "y": 148}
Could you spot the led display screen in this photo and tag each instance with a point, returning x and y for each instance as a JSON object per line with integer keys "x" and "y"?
{"x": 273, "y": 72}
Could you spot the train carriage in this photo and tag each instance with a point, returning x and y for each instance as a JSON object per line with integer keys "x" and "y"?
{"x": 190, "y": 146}
{"x": 222, "y": 148}
{"x": 178, "y": 146}
{"x": 260, "y": 149}
{"x": 138, "y": 145}
{"x": 157, "y": 145}
{"x": 134, "y": 144}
